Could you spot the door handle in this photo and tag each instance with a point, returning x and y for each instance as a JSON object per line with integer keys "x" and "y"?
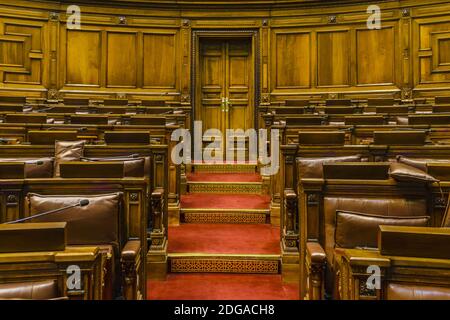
{"x": 223, "y": 104}
{"x": 228, "y": 104}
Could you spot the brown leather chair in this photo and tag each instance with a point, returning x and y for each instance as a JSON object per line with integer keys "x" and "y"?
{"x": 100, "y": 223}
{"x": 32, "y": 290}
{"x": 351, "y": 222}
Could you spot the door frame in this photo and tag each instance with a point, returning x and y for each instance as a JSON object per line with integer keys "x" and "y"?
{"x": 251, "y": 34}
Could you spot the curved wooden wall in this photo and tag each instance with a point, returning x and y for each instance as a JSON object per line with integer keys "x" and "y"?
{"x": 307, "y": 48}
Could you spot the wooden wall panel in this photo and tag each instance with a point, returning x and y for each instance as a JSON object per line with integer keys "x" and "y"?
{"x": 292, "y": 60}
{"x": 433, "y": 57}
{"x": 11, "y": 53}
{"x": 118, "y": 59}
{"x": 22, "y": 57}
{"x": 333, "y": 58}
{"x": 341, "y": 60}
{"x": 160, "y": 60}
{"x": 122, "y": 58}
{"x": 375, "y": 56}
{"x": 83, "y": 60}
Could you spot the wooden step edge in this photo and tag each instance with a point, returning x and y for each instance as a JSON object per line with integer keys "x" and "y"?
{"x": 219, "y": 183}
{"x": 225, "y": 210}
{"x": 250, "y": 256}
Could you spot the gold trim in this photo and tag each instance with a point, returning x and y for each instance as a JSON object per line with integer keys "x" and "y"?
{"x": 225, "y": 168}
{"x": 260, "y": 211}
{"x": 227, "y": 217}
{"x": 225, "y": 263}
{"x": 229, "y": 187}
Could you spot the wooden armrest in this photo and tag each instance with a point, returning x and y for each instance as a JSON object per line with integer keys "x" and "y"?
{"x": 315, "y": 252}
{"x": 132, "y": 270}
{"x": 316, "y": 260}
{"x": 131, "y": 250}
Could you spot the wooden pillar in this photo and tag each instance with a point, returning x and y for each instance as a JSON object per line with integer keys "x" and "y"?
{"x": 289, "y": 215}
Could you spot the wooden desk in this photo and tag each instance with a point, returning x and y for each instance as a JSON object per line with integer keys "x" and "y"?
{"x": 408, "y": 270}
{"x": 52, "y": 265}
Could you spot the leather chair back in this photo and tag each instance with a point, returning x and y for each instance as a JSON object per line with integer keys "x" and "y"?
{"x": 94, "y": 224}
{"x": 376, "y": 206}
{"x": 33, "y": 290}
{"x": 409, "y": 291}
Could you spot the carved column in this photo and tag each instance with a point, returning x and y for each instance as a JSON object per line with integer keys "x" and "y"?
{"x": 265, "y": 51}
{"x": 316, "y": 281}
{"x": 175, "y": 179}
{"x": 407, "y": 68}
{"x": 53, "y": 23}
{"x": 186, "y": 66}
{"x": 289, "y": 213}
{"x": 157, "y": 253}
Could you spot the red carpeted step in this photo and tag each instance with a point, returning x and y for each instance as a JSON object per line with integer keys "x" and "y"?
{"x": 224, "y": 239}
{"x": 223, "y": 177}
{"x": 225, "y": 201}
{"x": 221, "y": 287}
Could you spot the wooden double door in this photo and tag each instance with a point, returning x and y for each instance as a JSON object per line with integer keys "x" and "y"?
{"x": 225, "y": 87}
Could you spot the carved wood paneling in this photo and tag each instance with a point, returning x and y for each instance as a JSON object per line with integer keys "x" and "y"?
{"x": 314, "y": 49}
{"x": 22, "y": 48}
{"x": 431, "y": 58}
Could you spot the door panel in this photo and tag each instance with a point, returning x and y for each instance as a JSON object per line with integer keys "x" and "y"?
{"x": 212, "y": 68}
{"x": 226, "y": 74}
{"x": 238, "y": 80}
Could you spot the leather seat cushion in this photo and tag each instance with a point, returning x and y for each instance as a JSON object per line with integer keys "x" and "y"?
{"x": 359, "y": 230}
{"x": 403, "y": 172}
{"x": 36, "y": 290}
{"x": 398, "y": 291}
{"x": 313, "y": 167}
{"x": 94, "y": 224}
{"x": 67, "y": 151}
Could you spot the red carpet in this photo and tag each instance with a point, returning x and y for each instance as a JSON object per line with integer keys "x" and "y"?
{"x": 224, "y": 201}
{"x": 224, "y": 238}
{"x": 221, "y": 287}
{"x": 223, "y": 177}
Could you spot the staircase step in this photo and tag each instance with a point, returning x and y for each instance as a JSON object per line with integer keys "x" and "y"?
{"x": 225, "y": 201}
{"x": 222, "y": 286}
{"x": 251, "y": 239}
{"x": 224, "y": 263}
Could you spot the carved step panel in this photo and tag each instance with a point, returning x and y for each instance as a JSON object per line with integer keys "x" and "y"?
{"x": 210, "y": 263}
{"x": 226, "y": 216}
{"x": 225, "y": 187}
{"x": 226, "y": 168}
